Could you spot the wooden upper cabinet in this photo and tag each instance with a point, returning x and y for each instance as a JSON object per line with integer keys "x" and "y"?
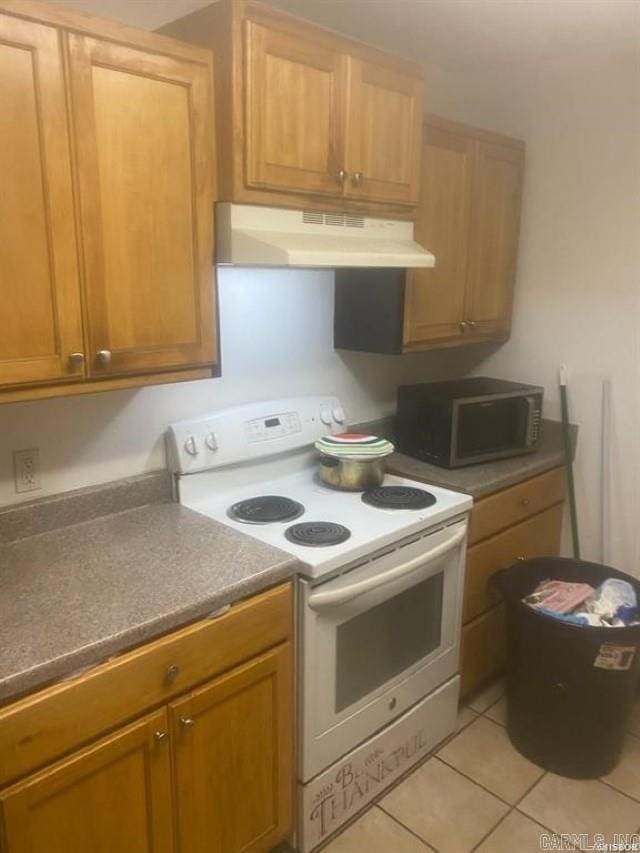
{"x": 435, "y": 298}
{"x": 112, "y": 796}
{"x": 308, "y": 118}
{"x": 493, "y": 236}
{"x": 383, "y": 133}
{"x": 293, "y": 115}
{"x": 40, "y": 320}
{"x": 233, "y": 759}
{"x": 143, "y": 135}
{"x": 469, "y": 217}
{"x": 106, "y": 205}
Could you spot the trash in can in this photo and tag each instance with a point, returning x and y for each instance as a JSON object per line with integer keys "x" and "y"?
{"x": 570, "y": 685}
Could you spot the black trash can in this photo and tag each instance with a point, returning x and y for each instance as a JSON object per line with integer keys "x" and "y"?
{"x": 570, "y": 688}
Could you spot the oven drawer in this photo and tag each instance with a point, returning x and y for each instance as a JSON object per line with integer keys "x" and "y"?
{"x": 538, "y": 536}
{"x": 508, "y": 507}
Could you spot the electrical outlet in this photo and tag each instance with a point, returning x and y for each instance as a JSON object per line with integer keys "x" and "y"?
{"x": 26, "y": 466}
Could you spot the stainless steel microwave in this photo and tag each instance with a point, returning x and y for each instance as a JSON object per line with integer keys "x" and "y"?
{"x": 466, "y": 421}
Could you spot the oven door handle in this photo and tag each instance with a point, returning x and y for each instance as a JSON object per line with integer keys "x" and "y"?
{"x": 332, "y": 598}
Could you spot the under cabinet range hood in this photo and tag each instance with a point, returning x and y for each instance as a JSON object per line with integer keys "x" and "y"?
{"x": 252, "y": 236}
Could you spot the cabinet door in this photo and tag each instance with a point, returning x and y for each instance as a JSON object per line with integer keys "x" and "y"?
{"x": 294, "y": 101}
{"x": 112, "y": 796}
{"x": 233, "y": 759}
{"x": 383, "y": 135}
{"x": 493, "y": 247}
{"x": 434, "y": 301}
{"x": 483, "y": 651}
{"x": 538, "y": 536}
{"x": 144, "y": 140}
{"x": 40, "y": 321}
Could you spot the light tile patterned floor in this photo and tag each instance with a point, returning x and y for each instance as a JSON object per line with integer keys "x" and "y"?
{"x": 476, "y": 793}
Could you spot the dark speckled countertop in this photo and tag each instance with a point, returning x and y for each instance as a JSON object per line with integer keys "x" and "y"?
{"x": 75, "y": 594}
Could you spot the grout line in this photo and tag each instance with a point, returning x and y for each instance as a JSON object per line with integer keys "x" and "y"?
{"x": 408, "y": 829}
{"x": 485, "y": 713}
{"x": 512, "y": 808}
{"x": 480, "y": 785}
{"x": 618, "y": 790}
{"x": 491, "y": 831}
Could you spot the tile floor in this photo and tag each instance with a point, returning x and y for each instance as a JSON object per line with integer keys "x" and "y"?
{"x": 476, "y": 793}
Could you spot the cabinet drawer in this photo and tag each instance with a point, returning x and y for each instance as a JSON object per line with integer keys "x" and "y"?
{"x": 41, "y": 727}
{"x": 494, "y": 513}
{"x": 538, "y": 536}
{"x": 483, "y": 649}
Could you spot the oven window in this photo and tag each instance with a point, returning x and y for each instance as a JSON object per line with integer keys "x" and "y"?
{"x": 377, "y": 645}
{"x": 491, "y": 427}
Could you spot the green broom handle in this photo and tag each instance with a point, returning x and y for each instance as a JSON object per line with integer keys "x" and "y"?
{"x": 568, "y": 456}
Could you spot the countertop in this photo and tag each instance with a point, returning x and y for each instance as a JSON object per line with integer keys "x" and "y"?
{"x": 75, "y": 595}
{"x": 482, "y": 479}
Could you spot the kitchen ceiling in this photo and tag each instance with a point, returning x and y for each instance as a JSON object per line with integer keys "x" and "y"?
{"x": 473, "y": 34}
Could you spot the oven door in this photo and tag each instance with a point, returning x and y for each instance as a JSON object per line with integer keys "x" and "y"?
{"x": 375, "y": 640}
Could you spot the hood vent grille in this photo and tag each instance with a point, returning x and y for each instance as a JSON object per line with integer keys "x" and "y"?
{"x": 312, "y": 217}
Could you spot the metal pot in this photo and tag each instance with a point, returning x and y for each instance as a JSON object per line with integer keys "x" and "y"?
{"x": 350, "y": 474}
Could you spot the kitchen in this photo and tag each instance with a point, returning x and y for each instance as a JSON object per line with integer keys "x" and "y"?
{"x": 572, "y": 96}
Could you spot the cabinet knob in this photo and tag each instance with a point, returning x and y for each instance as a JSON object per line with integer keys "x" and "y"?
{"x": 356, "y": 179}
{"x": 471, "y": 324}
{"x": 103, "y": 356}
{"x": 525, "y": 502}
{"x": 171, "y": 673}
{"x": 341, "y": 176}
{"x": 521, "y": 558}
{"x": 462, "y": 326}
{"x": 160, "y": 735}
{"x": 186, "y": 722}
{"x": 76, "y": 358}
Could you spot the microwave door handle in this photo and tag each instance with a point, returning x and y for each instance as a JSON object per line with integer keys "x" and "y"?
{"x": 332, "y": 598}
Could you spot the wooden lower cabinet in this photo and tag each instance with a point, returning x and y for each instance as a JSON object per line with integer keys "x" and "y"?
{"x": 497, "y": 543}
{"x": 233, "y": 759}
{"x": 113, "y": 796}
{"x": 538, "y": 536}
{"x": 483, "y": 649}
{"x": 209, "y": 771}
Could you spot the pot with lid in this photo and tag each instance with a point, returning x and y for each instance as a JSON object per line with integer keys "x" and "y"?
{"x": 352, "y": 461}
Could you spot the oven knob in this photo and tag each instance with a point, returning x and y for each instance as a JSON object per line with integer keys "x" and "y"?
{"x": 325, "y": 416}
{"x": 190, "y": 446}
{"x": 210, "y": 441}
{"x": 338, "y": 414}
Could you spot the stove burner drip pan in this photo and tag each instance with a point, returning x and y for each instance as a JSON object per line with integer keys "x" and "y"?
{"x": 317, "y": 534}
{"x": 266, "y": 509}
{"x": 398, "y": 497}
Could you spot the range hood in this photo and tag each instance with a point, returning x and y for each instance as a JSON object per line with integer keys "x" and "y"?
{"x": 248, "y": 235}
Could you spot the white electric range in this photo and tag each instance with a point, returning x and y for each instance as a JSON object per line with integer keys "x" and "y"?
{"x": 379, "y": 594}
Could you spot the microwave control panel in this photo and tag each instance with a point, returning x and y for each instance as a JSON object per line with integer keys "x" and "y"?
{"x": 534, "y": 423}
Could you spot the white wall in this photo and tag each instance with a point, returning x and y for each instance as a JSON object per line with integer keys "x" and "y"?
{"x": 277, "y": 333}
{"x": 578, "y": 292}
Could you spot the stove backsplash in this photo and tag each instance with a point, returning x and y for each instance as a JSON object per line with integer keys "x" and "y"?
{"x": 277, "y": 340}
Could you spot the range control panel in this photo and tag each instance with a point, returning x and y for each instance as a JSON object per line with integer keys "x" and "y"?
{"x": 274, "y": 426}
{"x": 242, "y": 433}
